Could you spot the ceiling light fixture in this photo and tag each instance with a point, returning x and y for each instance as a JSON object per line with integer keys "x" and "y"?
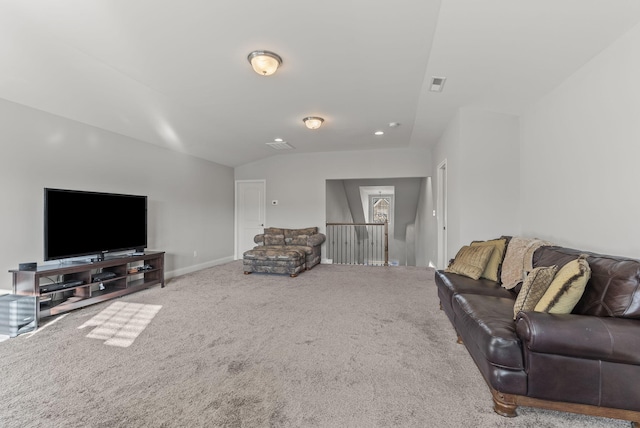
{"x": 264, "y": 63}
{"x": 379, "y": 133}
{"x": 313, "y": 122}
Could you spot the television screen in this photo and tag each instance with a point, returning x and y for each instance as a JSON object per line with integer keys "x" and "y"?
{"x": 78, "y": 223}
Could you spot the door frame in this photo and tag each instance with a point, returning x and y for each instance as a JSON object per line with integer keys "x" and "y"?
{"x": 236, "y": 232}
{"x": 442, "y": 214}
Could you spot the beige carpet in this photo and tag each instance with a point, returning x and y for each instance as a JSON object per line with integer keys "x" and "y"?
{"x": 339, "y": 346}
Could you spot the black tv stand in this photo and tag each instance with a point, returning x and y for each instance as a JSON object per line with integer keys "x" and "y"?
{"x": 129, "y": 278}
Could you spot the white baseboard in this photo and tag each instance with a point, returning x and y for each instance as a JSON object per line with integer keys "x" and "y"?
{"x": 195, "y": 268}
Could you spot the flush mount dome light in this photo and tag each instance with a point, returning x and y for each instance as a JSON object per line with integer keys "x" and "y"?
{"x": 313, "y": 122}
{"x": 264, "y": 63}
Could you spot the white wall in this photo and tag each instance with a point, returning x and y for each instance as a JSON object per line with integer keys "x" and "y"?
{"x": 190, "y": 201}
{"x": 297, "y": 181}
{"x": 482, "y": 153}
{"x": 425, "y": 225}
{"x": 580, "y": 150}
{"x": 337, "y": 209}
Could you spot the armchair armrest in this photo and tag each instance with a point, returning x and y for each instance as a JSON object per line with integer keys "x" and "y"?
{"x": 315, "y": 239}
{"x": 582, "y": 336}
{"x": 259, "y": 239}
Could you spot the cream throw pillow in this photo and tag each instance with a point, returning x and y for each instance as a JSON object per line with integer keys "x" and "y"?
{"x": 471, "y": 261}
{"x": 566, "y": 289}
{"x": 492, "y": 270}
{"x": 533, "y": 288}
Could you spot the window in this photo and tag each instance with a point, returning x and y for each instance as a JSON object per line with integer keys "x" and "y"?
{"x": 380, "y": 206}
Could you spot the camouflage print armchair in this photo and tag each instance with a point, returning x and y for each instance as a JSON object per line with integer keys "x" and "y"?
{"x": 288, "y": 251}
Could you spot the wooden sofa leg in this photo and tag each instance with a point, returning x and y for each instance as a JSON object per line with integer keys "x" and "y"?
{"x": 247, "y": 273}
{"x": 504, "y": 404}
{"x": 459, "y": 341}
{"x": 441, "y": 306}
{"x": 293, "y": 275}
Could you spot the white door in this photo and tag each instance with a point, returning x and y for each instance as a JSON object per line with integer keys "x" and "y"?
{"x": 250, "y": 213}
{"x": 442, "y": 215}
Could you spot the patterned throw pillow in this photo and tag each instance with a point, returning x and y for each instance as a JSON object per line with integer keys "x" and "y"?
{"x": 273, "y": 239}
{"x": 471, "y": 261}
{"x": 567, "y": 288}
{"x": 492, "y": 270}
{"x": 533, "y": 288}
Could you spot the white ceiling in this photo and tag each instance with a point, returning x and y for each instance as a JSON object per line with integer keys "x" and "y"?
{"x": 175, "y": 73}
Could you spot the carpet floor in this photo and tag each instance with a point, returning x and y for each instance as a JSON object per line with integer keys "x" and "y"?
{"x": 338, "y": 346}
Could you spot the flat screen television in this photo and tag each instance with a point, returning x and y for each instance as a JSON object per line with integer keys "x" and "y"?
{"x": 79, "y": 223}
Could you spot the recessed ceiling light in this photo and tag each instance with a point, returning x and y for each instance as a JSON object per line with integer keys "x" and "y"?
{"x": 394, "y": 124}
{"x": 378, "y": 133}
{"x": 278, "y": 140}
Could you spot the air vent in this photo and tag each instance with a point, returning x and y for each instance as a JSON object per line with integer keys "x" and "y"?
{"x": 437, "y": 83}
{"x": 280, "y": 145}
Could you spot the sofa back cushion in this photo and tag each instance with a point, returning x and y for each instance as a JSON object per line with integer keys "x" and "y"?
{"x": 273, "y": 236}
{"x": 613, "y": 289}
{"x": 273, "y": 239}
{"x": 291, "y": 233}
{"x": 273, "y": 231}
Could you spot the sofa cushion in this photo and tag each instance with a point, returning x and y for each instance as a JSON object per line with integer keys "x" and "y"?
{"x": 450, "y": 284}
{"x": 566, "y": 288}
{"x": 275, "y": 252}
{"x": 492, "y": 269}
{"x": 273, "y": 239}
{"x": 488, "y": 322}
{"x": 533, "y": 288}
{"x": 471, "y": 261}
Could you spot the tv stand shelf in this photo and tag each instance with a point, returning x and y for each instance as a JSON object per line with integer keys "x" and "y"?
{"x": 132, "y": 273}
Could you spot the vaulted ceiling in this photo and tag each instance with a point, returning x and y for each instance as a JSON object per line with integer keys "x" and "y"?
{"x": 175, "y": 73}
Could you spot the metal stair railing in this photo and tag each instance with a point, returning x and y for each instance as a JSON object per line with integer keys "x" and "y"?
{"x": 358, "y": 243}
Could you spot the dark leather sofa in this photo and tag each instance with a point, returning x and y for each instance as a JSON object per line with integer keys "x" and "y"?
{"x": 584, "y": 362}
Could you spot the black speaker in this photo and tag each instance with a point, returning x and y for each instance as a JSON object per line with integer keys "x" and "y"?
{"x": 17, "y": 314}
{"x": 28, "y": 266}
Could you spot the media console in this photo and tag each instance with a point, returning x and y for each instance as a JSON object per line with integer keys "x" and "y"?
{"x": 64, "y": 287}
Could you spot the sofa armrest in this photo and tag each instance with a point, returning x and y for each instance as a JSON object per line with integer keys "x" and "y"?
{"x": 582, "y": 336}
{"x": 259, "y": 239}
{"x": 315, "y": 239}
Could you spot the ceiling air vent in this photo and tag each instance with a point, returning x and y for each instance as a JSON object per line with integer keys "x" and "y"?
{"x": 437, "y": 83}
{"x": 280, "y": 145}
